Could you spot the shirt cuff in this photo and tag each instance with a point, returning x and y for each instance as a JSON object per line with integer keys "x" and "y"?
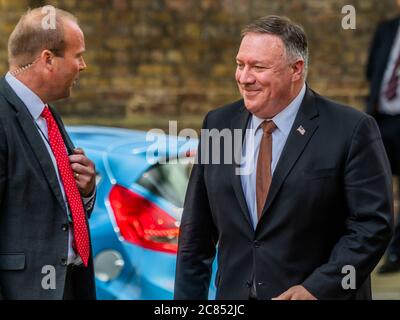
{"x": 86, "y": 200}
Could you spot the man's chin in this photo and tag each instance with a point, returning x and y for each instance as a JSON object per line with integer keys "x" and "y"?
{"x": 64, "y": 95}
{"x": 251, "y": 106}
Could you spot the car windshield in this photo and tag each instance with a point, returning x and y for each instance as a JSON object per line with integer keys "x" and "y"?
{"x": 168, "y": 181}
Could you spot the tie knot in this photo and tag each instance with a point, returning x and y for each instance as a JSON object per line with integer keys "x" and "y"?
{"x": 268, "y": 126}
{"x": 46, "y": 112}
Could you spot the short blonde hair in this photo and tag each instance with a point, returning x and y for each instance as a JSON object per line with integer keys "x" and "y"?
{"x": 29, "y": 38}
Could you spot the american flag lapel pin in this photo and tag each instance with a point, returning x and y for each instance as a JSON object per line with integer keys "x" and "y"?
{"x": 301, "y": 130}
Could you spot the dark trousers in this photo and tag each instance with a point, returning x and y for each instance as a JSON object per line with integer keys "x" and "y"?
{"x": 389, "y": 127}
{"x": 69, "y": 290}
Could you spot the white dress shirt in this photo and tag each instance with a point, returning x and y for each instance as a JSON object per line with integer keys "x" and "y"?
{"x": 284, "y": 122}
{"x": 35, "y": 107}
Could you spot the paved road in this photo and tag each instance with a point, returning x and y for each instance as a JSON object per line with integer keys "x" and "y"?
{"x": 386, "y": 287}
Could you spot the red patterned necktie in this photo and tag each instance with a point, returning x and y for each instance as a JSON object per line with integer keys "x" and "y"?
{"x": 81, "y": 234}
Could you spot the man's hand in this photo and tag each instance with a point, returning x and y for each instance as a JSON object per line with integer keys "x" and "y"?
{"x": 296, "y": 293}
{"x": 84, "y": 172}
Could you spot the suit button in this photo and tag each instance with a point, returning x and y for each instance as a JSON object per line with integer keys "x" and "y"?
{"x": 256, "y": 244}
{"x": 64, "y": 227}
{"x": 248, "y": 284}
{"x": 63, "y": 262}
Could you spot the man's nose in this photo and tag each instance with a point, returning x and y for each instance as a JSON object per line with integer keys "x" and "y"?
{"x": 246, "y": 76}
{"x": 83, "y": 65}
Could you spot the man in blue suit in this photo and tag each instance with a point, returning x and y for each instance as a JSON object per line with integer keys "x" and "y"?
{"x": 318, "y": 202}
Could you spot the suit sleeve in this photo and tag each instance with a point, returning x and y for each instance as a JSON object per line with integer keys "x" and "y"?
{"x": 88, "y": 202}
{"x": 368, "y": 229}
{"x": 197, "y": 239}
{"x": 3, "y": 162}
{"x": 3, "y": 172}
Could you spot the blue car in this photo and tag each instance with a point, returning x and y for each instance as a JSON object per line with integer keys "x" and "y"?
{"x": 141, "y": 185}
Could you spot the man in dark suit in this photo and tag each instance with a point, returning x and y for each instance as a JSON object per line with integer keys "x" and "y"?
{"x": 313, "y": 217}
{"x": 47, "y": 188}
{"x": 384, "y": 105}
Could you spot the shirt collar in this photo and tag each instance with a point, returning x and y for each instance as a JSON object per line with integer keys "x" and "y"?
{"x": 31, "y": 100}
{"x": 284, "y": 119}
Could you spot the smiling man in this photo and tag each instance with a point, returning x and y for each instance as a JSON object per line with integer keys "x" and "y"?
{"x": 318, "y": 202}
{"x": 47, "y": 188}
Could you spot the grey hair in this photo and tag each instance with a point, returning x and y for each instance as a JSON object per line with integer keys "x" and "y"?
{"x": 291, "y": 34}
{"x": 29, "y": 38}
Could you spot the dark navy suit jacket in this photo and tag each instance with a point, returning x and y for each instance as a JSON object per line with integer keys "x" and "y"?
{"x": 329, "y": 206}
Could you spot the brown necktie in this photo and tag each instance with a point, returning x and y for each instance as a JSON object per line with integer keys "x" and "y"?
{"x": 264, "y": 176}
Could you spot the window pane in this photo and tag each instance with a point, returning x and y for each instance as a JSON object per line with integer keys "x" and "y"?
{"x": 168, "y": 181}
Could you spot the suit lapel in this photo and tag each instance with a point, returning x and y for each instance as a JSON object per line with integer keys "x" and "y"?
{"x": 35, "y": 140}
{"x": 296, "y": 142}
{"x": 389, "y": 41}
{"x": 239, "y": 122}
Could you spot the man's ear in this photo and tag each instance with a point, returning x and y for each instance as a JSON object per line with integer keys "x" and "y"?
{"x": 47, "y": 58}
{"x": 298, "y": 70}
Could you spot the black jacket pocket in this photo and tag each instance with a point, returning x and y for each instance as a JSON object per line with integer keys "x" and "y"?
{"x": 12, "y": 261}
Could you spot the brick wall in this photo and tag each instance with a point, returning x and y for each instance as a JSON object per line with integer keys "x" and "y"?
{"x": 153, "y": 60}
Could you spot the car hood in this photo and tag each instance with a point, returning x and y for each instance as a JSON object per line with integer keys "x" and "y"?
{"x": 126, "y": 141}
{"x": 133, "y": 151}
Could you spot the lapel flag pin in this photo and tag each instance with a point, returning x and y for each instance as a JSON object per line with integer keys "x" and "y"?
{"x": 301, "y": 130}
